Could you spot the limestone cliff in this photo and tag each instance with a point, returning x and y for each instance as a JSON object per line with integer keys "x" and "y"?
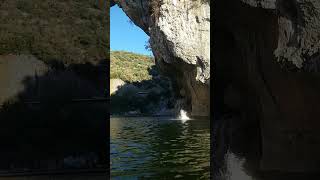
{"x": 266, "y": 57}
{"x": 180, "y": 40}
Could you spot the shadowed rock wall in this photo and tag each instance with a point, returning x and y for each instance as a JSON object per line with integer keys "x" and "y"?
{"x": 266, "y": 59}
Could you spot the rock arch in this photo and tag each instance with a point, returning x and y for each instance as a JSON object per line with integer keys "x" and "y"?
{"x": 180, "y": 41}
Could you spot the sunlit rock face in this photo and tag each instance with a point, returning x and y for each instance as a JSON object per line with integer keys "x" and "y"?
{"x": 115, "y": 85}
{"x": 180, "y": 40}
{"x": 266, "y": 58}
{"x": 15, "y": 71}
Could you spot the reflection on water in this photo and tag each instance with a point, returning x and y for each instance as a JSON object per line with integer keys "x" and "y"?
{"x": 159, "y": 148}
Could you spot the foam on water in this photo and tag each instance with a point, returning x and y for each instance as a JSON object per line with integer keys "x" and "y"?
{"x": 183, "y": 116}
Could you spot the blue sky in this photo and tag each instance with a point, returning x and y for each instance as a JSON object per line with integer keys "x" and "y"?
{"x": 125, "y": 35}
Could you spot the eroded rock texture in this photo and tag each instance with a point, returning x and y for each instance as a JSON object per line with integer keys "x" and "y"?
{"x": 180, "y": 41}
{"x": 266, "y": 58}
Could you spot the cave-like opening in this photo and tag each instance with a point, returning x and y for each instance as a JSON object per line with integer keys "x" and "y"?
{"x": 136, "y": 85}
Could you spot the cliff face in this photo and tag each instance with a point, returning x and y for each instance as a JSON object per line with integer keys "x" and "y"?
{"x": 180, "y": 40}
{"x": 298, "y": 28}
{"x": 266, "y": 57}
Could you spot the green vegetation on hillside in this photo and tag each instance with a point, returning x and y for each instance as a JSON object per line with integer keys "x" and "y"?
{"x": 141, "y": 75}
{"x": 72, "y": 37}
{"x": 68, "y": 31}
{"x": 130, "y": 67}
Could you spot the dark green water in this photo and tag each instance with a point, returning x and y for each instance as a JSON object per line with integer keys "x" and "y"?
{"x": 159, "y": 148}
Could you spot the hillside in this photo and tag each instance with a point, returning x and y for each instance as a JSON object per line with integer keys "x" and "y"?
{"x": 140, "y": 75}
{"x": 51, "y": 52}
{"x": 67, "y": 31}
{"x": 130, "y": 67}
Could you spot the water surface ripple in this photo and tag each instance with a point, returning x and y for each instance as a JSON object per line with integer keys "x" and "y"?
{"x": 159, "y": 148}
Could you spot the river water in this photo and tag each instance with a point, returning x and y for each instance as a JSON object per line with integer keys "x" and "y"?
{"x": 159, "y": 148}
{"x": 236, "y": 153}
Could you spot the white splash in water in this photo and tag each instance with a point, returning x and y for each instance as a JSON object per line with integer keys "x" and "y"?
{"x": 183, "y": 115}
{"x": 174, "y": 2}
{"x": 235, "y": 167}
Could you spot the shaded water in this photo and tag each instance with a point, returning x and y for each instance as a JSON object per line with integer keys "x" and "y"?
{"x": 159, "y": 148}
{"x": 236, "y": 148}
{"x": 101, "y": 176}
